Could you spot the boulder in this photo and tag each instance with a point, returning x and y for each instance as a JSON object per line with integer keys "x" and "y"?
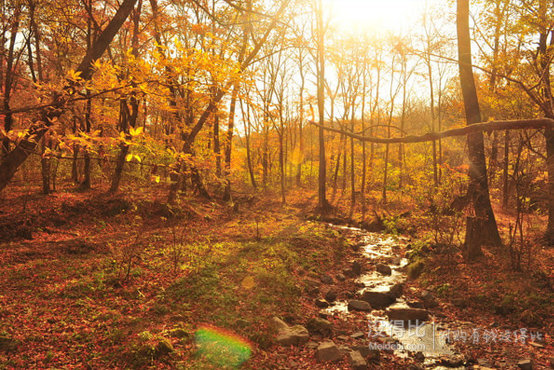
{"x": 356, "y": 305}
{"x": 344, "y": 350}
{"x": 407, "y": 314}
{"x": 279, "y": 324}
{"x": 415, "y": 304}
{"x": 326, "y": 279}
{"x": 293, "y": 336}
{"x": 357, "y": 361}
{"x": 368, "y": 353}
{"x": 452, "y": 361}
{"x": 526, "y": 364}
{"x": 378, "y": 300}
{"x": 290, "y": 335}
{"x": 320, "y": 326}
{"x": 321, "y": 303}
{"x": 163, "y": 348}
{"x": 396, "y": 290}
{"x": 328, "y": 352}
{"x": 331, "y": 295}
{"x": 383, "y": 269}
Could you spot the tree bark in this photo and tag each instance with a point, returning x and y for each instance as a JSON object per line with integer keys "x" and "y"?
{"x": 485, "y": 229}
{"x": 8, "y": 82}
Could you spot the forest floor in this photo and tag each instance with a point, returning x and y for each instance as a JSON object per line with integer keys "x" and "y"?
{"x": 98, "y": 281}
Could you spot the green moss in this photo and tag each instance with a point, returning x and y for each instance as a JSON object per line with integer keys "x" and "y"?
{"x": 415, "y": 269}
{"x": 443, "y": 290}
{"x": 149, "y": 348}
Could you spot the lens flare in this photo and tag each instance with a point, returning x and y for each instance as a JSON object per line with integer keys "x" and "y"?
{"x": 222, "y": 347}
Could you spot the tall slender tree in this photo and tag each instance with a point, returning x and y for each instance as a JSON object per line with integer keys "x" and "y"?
{"x": 481, "y": 228}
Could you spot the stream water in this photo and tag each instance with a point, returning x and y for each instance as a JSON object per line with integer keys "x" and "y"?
{"x": 407, "y": 338}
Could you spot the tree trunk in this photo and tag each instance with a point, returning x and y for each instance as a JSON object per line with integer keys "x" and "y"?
{"x": 474, "y": 240}
{"x": 323, "y": 204}
{"x": 45, "y": 167}
{"x": 300, "y": 125}
{"x": 85, "y": 185}
{"x": 364, "y": 164}
{"x": 217, "y": 146}
{"x": 247, "y": 126}
{"x": 128, "y": 116}
{"x": 549, "y": 134}
{"x": 352, "y": 167}
{"x": 505, "y": 189}
{"x": 229, "y": 143}
{"x": 544, "y": 56}
{"x": 8, "y": 82}
{"x": 483, "y": 231}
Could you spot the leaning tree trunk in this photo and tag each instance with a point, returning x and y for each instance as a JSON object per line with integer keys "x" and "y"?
{"x": 128, "y": 117}
{"x": 482, "y": 228}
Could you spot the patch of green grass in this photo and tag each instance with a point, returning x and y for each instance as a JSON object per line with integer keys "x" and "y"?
{"x": 259, "y": 272}
{"x": 197, "y": 286}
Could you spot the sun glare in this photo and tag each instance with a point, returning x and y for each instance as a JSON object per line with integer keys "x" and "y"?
{"x": 375, "y": 16}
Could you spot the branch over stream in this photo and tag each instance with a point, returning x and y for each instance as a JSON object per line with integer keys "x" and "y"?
{"x": 537, "y": 123}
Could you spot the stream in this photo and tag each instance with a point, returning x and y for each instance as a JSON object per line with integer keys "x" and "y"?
{"x": 424, "y": 339}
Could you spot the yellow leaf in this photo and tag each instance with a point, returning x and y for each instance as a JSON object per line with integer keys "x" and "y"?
{"x": 128, "y": 157}
{"x": 73, "y": 76}
{"x": 137, "y": 158}
{"x": 248, "y": 282}
{"x": 136, "y": 132}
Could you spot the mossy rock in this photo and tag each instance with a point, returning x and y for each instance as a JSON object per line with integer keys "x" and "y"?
{"x": 415, "y": 269}
{"x": 163, "y": 348}
{"x": 150, "y": 349}
{"x": 179, "y": 333}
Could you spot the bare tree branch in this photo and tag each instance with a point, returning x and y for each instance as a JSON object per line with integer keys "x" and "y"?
{"x": 431, "y": 136}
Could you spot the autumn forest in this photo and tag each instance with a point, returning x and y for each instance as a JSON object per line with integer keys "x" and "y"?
{"x": 291, "y": 184}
